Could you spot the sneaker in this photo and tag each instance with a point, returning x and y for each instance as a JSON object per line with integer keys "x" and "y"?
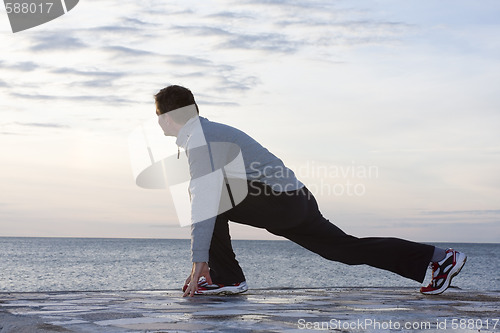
{"x": 219, "y": 289}
{"x": 443, "y": 271}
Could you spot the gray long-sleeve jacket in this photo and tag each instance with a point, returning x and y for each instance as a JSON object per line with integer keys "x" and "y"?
{"x": 221, "y": 159}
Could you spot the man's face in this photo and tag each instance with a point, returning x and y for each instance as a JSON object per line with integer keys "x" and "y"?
{"x": 165, "y": 122}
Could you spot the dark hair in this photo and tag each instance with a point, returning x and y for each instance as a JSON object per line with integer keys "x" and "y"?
{"x": 174, "y": 97}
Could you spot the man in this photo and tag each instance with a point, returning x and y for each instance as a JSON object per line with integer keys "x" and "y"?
{"x": 274, "y": 199}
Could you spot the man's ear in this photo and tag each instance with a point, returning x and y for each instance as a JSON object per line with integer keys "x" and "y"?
{"x": 183, "y": 114}
{"x": 168, "y": 118}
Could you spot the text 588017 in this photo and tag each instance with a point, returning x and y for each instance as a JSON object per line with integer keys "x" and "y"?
{"x": 28, "y": 7}
{"x": 473, "y": 324}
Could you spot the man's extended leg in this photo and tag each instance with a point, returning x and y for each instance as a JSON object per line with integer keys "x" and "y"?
{"x": 224, "y": 268}
{"x": 406, "y": 258}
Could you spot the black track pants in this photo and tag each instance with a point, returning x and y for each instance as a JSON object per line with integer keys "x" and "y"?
{"x": 295, "y": 215}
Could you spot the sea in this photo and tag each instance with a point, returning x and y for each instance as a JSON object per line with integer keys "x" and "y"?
{"x": 95, "y": 264}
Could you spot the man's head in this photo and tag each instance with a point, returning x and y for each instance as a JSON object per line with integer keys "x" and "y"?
{"x": 174, "y": 97}
{"x": 175, "y": 105}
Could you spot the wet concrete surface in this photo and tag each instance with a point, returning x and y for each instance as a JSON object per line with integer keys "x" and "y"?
{"x": 289, "y": 310}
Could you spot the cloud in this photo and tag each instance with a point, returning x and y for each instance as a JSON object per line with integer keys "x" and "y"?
{"x": 447, "y": 231}
{"x": 186, "y": 60}
{"x": 204, "y": 101}
{"x": 133, "y": 21}
{"x": 227, "y": 76}
{"x": 287, "y": 28}
{"x": 463, "y": 212}
{"x": 26, "y": 66}
{"x": 231, "y": 15}
{"x": 115, "y": 29}
{"x": 98, "y": 79}
{"x": 270, "y": 42}
{"x": 12, "y": 131}
{"x": 43, "y": 125}
{"x": 306, "y": 24}
{"x": 94, "y": 83}
{"x": 201, "y": 30}
{"x": 3, "y": 84}
{"x": 127, "y": 51}
{"x": 293, "y": 27}
{"x": 287, "y": 3}
{"x": 80, "y": 98}
{"x": 34, "y": 96}
{"x": 124, "y": 25}
{"x": 177, "y": 66}
{"x": 106, "y": 74}
{"x": 229, "y": 82}
{"x": 56, "y": 41}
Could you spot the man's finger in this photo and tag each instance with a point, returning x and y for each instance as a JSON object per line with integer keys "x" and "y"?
{"x": 188, "y": 291}
{"x": 194, "y": 288}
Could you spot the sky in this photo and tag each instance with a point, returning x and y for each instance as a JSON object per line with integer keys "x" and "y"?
{"x": 388, "y": 111}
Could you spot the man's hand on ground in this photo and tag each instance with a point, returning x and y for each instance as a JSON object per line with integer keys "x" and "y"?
{"x": 199, "y": 269}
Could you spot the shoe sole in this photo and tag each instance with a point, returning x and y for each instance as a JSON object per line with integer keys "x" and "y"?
{"x": 454, "y": 272}
{"x": 222, "y": 292}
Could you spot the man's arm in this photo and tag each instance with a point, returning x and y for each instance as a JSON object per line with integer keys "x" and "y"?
{"x": 205, "y": 193}
{"x": 205, "y": 189}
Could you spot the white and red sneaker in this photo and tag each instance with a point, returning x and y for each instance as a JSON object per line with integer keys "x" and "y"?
{"x": 219, "y": 289}
{"x": 443, "y": 271}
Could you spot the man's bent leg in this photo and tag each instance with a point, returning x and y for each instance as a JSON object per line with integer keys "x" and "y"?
{"x": 224, "y": 268}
